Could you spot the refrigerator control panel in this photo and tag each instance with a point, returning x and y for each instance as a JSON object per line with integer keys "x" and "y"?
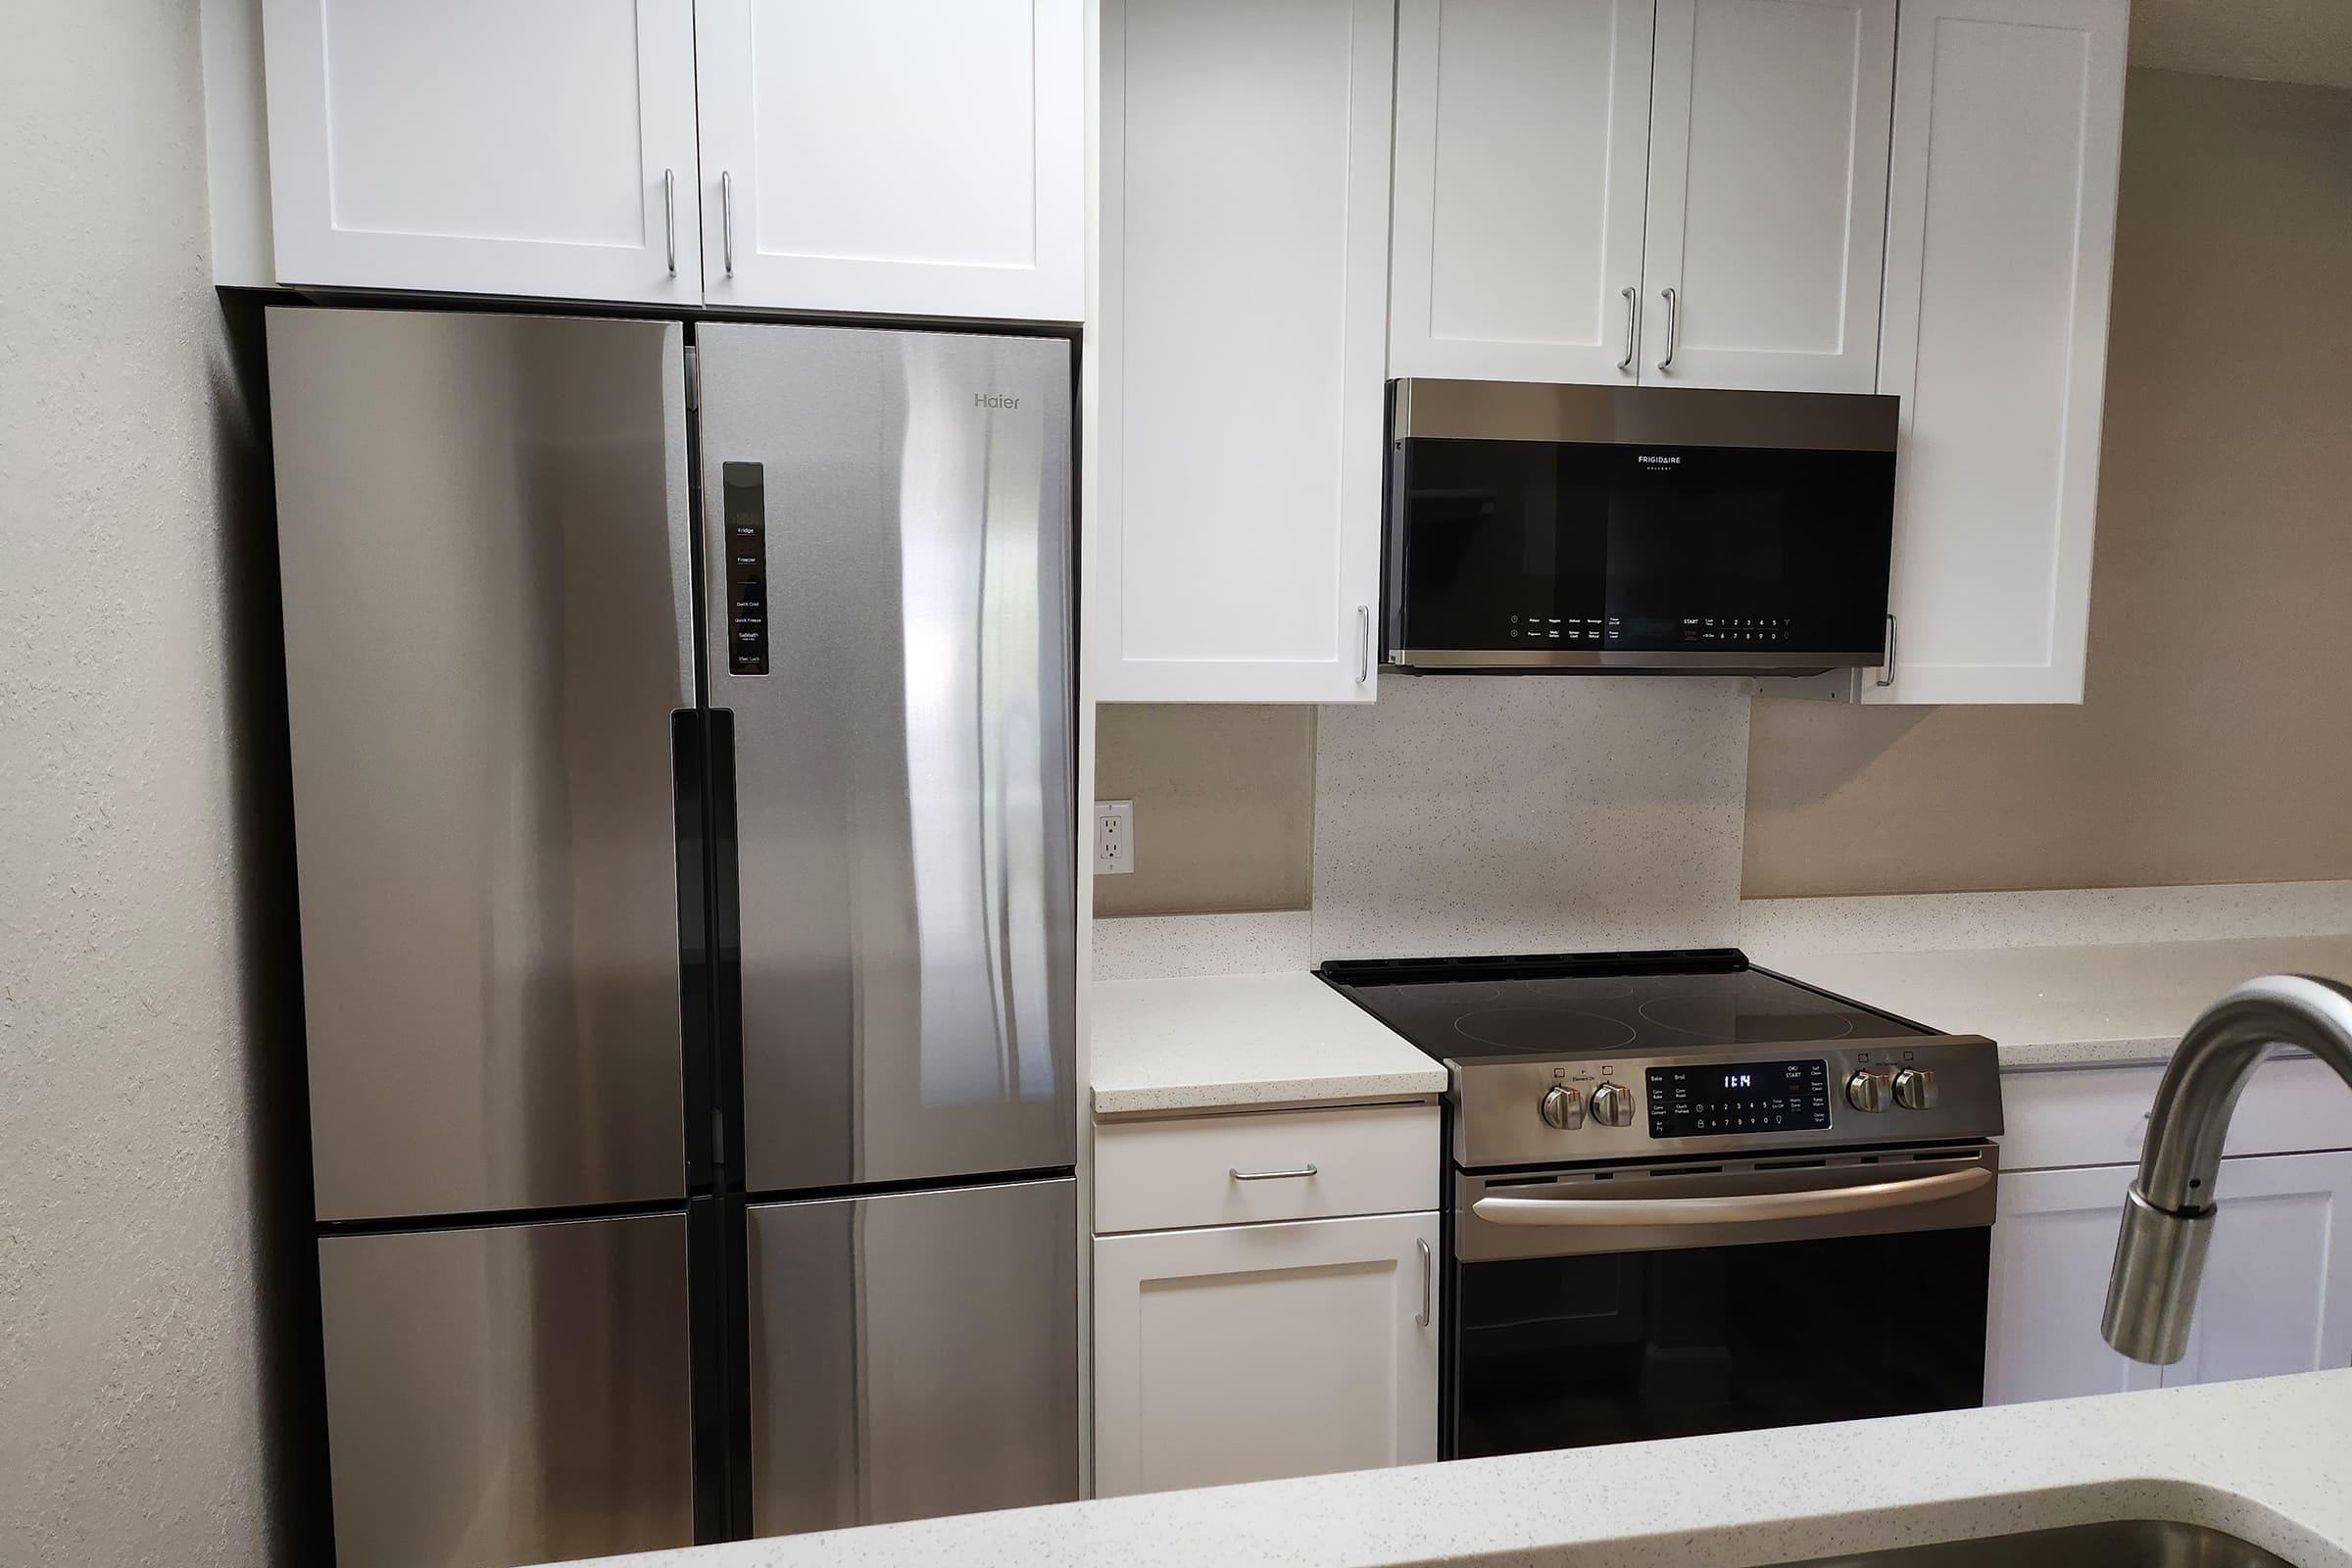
{"x": 747, "y": 567}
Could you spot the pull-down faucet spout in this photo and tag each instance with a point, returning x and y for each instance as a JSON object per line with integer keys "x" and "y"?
{"x": 2168, "y": 1212}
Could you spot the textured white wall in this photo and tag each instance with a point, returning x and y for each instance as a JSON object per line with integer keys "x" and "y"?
{"x": 130, "y": 1424}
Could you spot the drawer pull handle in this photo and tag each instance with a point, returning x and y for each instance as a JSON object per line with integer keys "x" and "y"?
{"x": 1270, "y": 1175}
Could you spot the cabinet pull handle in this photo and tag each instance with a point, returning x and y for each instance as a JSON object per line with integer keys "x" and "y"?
{"x": 669, "y": 216}
{"x": 1887, "y": 671}
{"x": 1363, "y": 644}
{"x": 1633, "y": 316}
{"x": 726, "y": 219}
{"x": 1423, "y": 1320}
{"x": 1270, "y": 1175}
{"x": 1674, "y": 325}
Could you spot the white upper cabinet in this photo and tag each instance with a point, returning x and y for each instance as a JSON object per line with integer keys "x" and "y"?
{"x": 1767, "y": 193}
{"x": 908, "y": 157}
{"x": 503, "y": 147}
{"x": 1678, "y": 192}
{"x": 1243, "y": 261}
{"x": 1522, "y": 147}
{"x": 2008, "y": 126}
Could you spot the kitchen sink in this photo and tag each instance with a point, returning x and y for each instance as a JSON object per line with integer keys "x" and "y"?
{"x": 2126, "y": 1543}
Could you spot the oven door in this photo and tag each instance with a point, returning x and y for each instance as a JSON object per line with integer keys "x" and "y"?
{"x": 1613, "y": 1305}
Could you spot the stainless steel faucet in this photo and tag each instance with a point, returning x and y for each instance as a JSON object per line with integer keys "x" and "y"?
{"x": 2167, "y": 1215}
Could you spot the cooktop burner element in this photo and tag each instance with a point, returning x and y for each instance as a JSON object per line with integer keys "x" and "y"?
{"x": 1570, "y": 1014}
{"x": 1578, "y": 1056}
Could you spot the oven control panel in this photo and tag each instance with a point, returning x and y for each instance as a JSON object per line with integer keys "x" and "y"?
{"x": 1738, "y": 1097}
{"x": 1514, "y": 1110}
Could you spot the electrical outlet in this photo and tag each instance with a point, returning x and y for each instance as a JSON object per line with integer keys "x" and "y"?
{"x": 1114, "y": 836}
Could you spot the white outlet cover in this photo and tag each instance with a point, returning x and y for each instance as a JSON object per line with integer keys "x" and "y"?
{"x": 1114, "y": 836}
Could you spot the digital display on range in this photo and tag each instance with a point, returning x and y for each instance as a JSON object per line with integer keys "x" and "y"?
{"x": 1749, "y": 1097}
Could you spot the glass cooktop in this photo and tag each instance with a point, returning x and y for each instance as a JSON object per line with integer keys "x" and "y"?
{"x": 1611, "y": 1004}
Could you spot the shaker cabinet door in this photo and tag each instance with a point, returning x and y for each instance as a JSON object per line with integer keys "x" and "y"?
{"x": 2277, "y": 1290}
{"x": 1244, "y": 223}
{"x": 2000, "y": 237}
{"x": 1522, "y": 140}
{"x": 1252, "y": 1352}
{"x": 900, "y": 156}
{"x": 2050, "y": 1250}
{"x": 530, "y": 148}
{"x": 2277, "y": 1295}
{"x": 1766, "y": 194}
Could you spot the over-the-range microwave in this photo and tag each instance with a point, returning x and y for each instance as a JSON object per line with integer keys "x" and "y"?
{"x": 1534, "y": 528}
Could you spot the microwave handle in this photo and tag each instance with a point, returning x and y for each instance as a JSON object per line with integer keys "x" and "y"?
{"x": 1887, "y": 669}
{"x": 1745, "y": 1208}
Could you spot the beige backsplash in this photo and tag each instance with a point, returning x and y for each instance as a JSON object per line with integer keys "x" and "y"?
{"x": 2214, "y": 747}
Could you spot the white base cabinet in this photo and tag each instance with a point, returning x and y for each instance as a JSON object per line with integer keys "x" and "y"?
{"x": 1250, "y": 1352}
{"x": 2278, "y": 1288}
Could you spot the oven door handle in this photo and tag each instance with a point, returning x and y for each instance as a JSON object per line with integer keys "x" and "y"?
{"x": 1756, "y": 1207}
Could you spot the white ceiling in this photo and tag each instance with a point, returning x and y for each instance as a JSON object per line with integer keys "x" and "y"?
{"x": 2273, "y": 40}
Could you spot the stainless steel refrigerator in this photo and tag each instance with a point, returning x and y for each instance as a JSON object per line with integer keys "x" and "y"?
{"x": 682, "y": 741}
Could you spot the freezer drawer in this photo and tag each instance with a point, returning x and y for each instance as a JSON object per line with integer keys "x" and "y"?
{"x": 508, "y": 1393}
{"x": 484, "y": 546}
{"x": 887, "y": 562}
{"x": 913, "y": 1355}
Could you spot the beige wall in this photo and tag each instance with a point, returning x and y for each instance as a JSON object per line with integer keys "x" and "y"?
{"x": 135, "y": 1335}
{"x": 2216, "y": 741}
{"x": 1224, "y": 806}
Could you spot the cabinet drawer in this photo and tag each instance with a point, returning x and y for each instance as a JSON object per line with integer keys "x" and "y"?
{"x": 2098, "y": 1115}
{"x": 1166, "y": 1175}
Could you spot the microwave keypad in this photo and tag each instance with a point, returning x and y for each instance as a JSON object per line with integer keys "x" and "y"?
{"x": 1740, "y": 631}
{"x": 1565, "y": 630}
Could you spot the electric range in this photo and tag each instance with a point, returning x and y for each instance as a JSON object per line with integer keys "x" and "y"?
{"x": 1669, "y": 1175}
{"x": 1580, "y": 1056}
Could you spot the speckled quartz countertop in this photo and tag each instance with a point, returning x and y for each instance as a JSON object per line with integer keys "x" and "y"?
{"x": 1245, "y": 1042}
{"x": 2263, "y": 1460}
{"x": 2051, "y": 1006}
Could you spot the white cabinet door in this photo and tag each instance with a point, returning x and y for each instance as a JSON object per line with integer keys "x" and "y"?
{"x": 513, "y": 147}
{"x": 2000, "y": 234}
{"x": 1244, "y": 264}
{"x": 1521, "y": 131}
{"x": 903, "y": 157}
{"x": 2277, "y": 1290}
{"x": 1250, "y": 1352}
{"x": 1767, "y": 193}
{"x": 2051, "y": 1246}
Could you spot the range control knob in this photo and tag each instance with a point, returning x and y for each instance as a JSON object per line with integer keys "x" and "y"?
{"x": 1915, "y": 1088}
{"x": 1868, "y": 1091}
{"x": 1563, "y": 1108}
{"x": 1613, "y": 1105}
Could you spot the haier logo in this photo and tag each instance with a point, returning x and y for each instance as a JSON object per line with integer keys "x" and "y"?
{"x": 994, "y": 399}
{"x": 1658, "y": 460}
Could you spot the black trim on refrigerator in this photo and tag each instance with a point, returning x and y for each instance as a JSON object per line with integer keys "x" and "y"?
{"x": 706, "y": 1380}
{"x": 714, "y": 1280}
{"x": 732, "y": 1323}
{"x": 918, "y": 1183}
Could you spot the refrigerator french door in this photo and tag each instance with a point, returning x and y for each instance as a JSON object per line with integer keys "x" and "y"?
{"x": 681, "y": 737}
